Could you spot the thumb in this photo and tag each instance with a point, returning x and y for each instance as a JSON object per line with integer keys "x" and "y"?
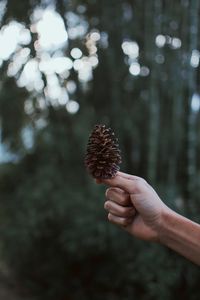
{"x": 123, "y": 183}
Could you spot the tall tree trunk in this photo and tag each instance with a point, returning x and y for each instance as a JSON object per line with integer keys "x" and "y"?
{"x": 153, "y": 27}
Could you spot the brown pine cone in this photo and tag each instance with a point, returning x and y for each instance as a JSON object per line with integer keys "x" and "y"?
{"x": 102, "y": 155}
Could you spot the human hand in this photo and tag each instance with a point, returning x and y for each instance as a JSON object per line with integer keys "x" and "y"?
{"x": 134, "y": 205}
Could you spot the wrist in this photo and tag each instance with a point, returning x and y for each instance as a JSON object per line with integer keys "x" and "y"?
{"x": 165, "y": 225}
{"x": 180, "y": 234}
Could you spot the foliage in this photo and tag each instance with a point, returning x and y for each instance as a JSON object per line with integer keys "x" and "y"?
{"x": 54, "y": 234}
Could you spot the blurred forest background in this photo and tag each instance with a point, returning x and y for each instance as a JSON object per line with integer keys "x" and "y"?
{"x": 66, "y": 65}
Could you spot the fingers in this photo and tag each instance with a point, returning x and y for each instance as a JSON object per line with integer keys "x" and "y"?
{"x": 119, "y": 196}
{"x": 119, "y": 220}
{"x": 118, "y": 210}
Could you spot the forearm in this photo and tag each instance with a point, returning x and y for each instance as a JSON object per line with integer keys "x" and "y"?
{"x": 181, "y": 234}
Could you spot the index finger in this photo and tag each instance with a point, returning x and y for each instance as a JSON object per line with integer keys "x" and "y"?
{"x": 125, "y": 184}
{"x": 128, "y": 176}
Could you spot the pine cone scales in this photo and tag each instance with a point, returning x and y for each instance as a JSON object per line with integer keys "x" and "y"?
{"x": 102, "y": 155}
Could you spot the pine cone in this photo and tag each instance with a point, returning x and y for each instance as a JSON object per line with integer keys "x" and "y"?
{"x": 102, "y": 155}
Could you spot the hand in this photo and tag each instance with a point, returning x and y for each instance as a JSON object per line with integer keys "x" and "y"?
{"x": 134, "y": 205}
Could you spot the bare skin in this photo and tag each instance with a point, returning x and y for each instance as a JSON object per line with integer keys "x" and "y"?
{"x": 134, "y": 205}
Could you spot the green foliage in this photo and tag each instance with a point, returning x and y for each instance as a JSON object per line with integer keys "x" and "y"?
{"x": 54, "y": 232}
